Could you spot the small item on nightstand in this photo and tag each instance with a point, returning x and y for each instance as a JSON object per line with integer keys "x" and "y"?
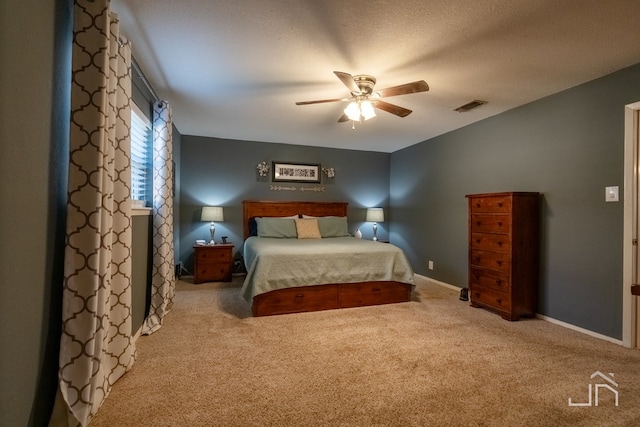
{"x": 200, "y": 242}
{"x": 224, "y": 239}
{"x": 358, "y": 234}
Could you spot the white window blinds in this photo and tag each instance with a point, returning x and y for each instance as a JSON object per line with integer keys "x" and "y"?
{"x": 141, "y": 156}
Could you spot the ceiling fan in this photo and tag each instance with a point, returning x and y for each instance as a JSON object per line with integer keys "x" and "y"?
{"x": 364, "y": 99}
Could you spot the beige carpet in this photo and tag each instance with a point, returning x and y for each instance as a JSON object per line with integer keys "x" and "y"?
{"x": 434, "y": 361}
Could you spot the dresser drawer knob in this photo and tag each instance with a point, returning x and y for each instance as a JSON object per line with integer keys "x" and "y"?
{"x": 299, "y": 297}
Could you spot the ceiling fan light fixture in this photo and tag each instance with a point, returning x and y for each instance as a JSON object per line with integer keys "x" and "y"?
{"x": 353, "y": 111}
{"x": 366, "y": 108}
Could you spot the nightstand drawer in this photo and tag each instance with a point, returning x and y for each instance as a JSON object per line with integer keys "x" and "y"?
{"x": 214, "y": 255}
{"x": 489, "y": 278}
{"x": 213, "y": 272}
{"x": 491, "y": 260}
{"x": 491, "y": 242}
{"x": 486, "y": 223}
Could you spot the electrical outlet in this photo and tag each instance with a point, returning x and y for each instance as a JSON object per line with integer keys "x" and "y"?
{"x": 430, "y": 265}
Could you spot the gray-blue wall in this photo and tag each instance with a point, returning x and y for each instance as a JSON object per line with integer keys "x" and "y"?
{"x": 568, "y": 147}
{"x": 35, "y": 49}
{"x": 220, "y": 172}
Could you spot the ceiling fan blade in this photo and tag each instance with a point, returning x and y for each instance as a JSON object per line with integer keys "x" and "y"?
{"x": 343, "y": 118}
{"x": 393, "y": 109}
{"x": 320, "y": 101}
{"x": 414, "y": 87}
{"x": 348, "y": 81}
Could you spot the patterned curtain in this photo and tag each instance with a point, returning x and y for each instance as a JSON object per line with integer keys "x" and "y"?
{"x": 96, "y": 345}
{"x": 163, "y": 275}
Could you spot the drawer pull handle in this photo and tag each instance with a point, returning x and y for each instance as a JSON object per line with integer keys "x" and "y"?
{"x": 499, "y": 301}
{"x": 500, "y": 224}
{"x": 376, "y": 290}
{"x": 499, "y": 204}
{"x": 299, "y": 297}
{"x": 499, "y": 263}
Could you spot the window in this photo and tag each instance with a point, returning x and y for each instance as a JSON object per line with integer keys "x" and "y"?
{"x": 141, "y": 157}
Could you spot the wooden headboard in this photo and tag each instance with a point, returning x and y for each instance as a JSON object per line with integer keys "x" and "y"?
{"x": 253, "y": 208}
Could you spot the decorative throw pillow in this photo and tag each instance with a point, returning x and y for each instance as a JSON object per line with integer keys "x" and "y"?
{"x": 308, "y": 229}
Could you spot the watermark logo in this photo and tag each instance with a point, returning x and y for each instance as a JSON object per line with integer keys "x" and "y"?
{"x": 607, "y": 383}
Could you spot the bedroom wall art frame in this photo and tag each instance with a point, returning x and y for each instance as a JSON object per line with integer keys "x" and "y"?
{"x": 295, "y": 172}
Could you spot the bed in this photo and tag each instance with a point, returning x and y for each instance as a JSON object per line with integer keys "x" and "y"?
{"x": 287, "y": 274}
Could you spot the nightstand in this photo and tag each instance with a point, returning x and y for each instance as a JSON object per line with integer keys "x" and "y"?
{"x": 213, "y": 263}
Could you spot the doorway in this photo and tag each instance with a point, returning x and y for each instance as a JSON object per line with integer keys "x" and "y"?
{"x": 631, "y": 263}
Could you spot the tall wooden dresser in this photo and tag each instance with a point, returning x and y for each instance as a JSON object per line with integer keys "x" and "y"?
{"x": 503, "y": 253}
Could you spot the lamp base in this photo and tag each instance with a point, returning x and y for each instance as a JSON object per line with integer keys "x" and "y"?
{"x": 212, "y": 230}
{"x": 375, "y": 231}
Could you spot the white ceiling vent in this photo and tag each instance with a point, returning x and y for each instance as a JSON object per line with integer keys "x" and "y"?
{"x": 470, "y": 106}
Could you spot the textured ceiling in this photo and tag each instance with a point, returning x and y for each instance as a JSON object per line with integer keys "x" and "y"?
{"x": 234, "y": 69}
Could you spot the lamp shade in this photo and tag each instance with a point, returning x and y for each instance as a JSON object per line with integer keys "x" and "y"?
{"x": 212, "y": 213}
{"x": 375, "y": 215}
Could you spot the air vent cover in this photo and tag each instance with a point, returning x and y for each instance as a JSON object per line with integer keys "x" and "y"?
{"x": 470, "y": 106}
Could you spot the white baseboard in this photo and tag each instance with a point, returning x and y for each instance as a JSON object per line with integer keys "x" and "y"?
{"x": 578, "y": 329}
{"x": 437, "y": 282}
{"x": 539, "y": 316}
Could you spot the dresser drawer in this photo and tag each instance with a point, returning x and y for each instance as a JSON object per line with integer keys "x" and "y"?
{"x": 296, "y": 300}
{"x": 489, "y": 278}
{"x": 490, "y": 297}
{"x": 491, "y": 242}
{"x": 490, "y": 223}
{"x": 492, "y": 260}
{"x": 361, "y": 294}
{"x": 491, "y": 204}
{"x": 221, "y": 255}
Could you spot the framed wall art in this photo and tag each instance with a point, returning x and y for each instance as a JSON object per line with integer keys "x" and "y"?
{"x": 295, "y": 172}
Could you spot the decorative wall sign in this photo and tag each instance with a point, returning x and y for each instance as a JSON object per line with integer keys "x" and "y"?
{"x": 294, "y": 188}
{"x": 289, "y": 172}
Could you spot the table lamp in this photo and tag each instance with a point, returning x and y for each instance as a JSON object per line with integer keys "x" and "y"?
{"x": 212, "y": 214}
{"x": 375, "y": 215}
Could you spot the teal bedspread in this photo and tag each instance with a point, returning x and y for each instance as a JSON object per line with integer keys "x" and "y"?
{"x": 284, "y": 263}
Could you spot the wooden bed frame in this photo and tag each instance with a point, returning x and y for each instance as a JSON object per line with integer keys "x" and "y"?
{"x": 319, "y": 297}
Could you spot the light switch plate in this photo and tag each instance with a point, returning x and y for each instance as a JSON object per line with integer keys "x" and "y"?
{"x": 611, "y": 194}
